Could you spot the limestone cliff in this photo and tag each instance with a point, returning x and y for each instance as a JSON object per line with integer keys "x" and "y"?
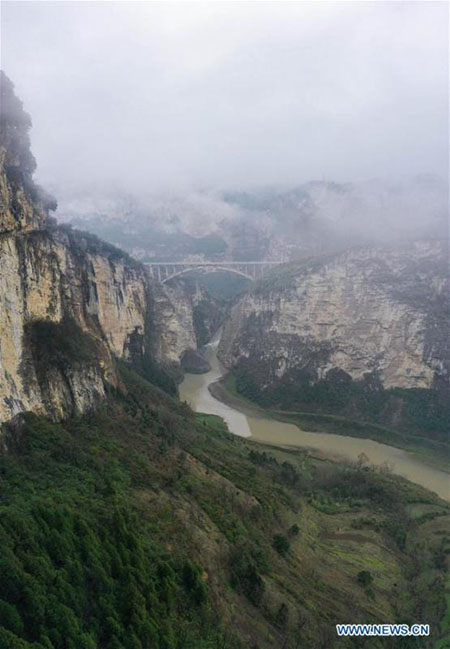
{"x": 173, "y": 330}
{"x": 370, "y": 313}
{"x": 60, "y": 285}
{"x": 51, "y": 276}
{"x": 23, "y": 205}
{"x": 58, "y": 275}
{"x": 183, "y": 318}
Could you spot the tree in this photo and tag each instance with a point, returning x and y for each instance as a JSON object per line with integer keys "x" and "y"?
{"x": 364, "y": 578}
{"x": 281, "y": 544}
{"x": 294, "y": 530}
{"x": 282, "y": 615}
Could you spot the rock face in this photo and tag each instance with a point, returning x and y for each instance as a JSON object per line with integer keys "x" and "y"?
{"x": 57, "y": 284}
{"x": 23, "y": 206}
{"x": 59, "y": 275}
{"x": 183, "y": 318}
{"x": 372, "y": 312}
{"x": 51, "y": 276}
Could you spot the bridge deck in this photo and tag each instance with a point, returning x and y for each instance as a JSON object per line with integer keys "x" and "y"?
{"x": 163, "y": 271}
{"x": 212, "y": 263}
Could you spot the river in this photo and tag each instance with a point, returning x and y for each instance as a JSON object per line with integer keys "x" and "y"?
{"x": 248, "y": 423}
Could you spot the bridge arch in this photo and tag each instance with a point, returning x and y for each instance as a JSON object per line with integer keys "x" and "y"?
{"x": 251, "y": 270}
{"x": 211, "y": 269}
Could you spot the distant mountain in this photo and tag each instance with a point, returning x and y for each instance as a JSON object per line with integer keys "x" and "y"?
{"x": 265, "y": 223}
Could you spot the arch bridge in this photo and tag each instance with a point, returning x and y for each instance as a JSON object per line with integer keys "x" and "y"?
{"x": 252, "y": 270}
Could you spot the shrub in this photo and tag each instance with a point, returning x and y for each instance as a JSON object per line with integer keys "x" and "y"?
{"x": 245, "y": 577}
{"x": 397, "y": 531}
{"x": 155, "y": 374}
{"x": 10, "y": 618}
{"x": 281, "y": 617}
{"x": 58, "y": 344}
{"x": 289, "y": 474}
{"x": 364, "y": 578}
{"x": 191, "y": 575}
{"x": 294, "y": 530}
{"x": 281, "y": 544}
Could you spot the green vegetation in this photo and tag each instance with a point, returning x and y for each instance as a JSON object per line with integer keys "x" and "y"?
{"x": 84, "y": 241}
{"x": 15, "y": 124}
{"x": 421, "y": 410}
{"x": 146, "y": 526}
{"x": 281, "y": 544}
{"x": 245, "y": 575}
{"x": 78, "y": 566}
{"x": 294, "y": 530}
{"x": 58, "y": 345}
{"x": 150, "y": 370}
{"x": 421, "y": 421}
{"x": 364, "y": 578}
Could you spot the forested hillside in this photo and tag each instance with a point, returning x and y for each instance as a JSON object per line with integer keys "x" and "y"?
{"x": 144, "y": 526}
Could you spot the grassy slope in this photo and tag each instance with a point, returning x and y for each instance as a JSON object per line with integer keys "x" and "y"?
{"x": 145, "y": 526}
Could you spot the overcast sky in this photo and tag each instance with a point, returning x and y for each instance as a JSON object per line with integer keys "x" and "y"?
{"x": 155, "y": 95}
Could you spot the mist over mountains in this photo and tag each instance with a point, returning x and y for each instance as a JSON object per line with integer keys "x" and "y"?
{"x": 148, "y": 95}
{"x": 237, "y": 130}
{"x": 265, "y": 222}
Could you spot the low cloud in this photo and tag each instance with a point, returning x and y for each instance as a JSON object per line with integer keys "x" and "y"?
{"x": 151, "y": 96}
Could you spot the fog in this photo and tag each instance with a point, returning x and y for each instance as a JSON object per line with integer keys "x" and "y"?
{"x": 152, "y": 96}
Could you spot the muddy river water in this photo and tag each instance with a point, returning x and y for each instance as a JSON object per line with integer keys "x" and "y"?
{"x": 248, "y": 423}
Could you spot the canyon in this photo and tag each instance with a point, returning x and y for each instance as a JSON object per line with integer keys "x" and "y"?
{"x": 129, "y": 521}
{"x": 361, "y": 333}
{"x": 341, "y": 328}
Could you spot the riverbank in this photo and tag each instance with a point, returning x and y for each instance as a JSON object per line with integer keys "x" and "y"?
{"x": 342, "y": 440}
{"x": 429, "y": 452}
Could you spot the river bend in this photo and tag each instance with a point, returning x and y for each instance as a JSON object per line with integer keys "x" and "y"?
{"x": 246, "y": 423}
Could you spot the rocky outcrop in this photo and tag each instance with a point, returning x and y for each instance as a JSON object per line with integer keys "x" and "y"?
{"x": 172, "y": 325}
{"x": 59, "y": 275}
{"x": 183, "y": 318}
{"x": 55, "y": 276}
{"x": 378, "y": 312}
{"x": 208, "y": 313}
{"x": 58, "y": 285}
{"x": 23, "y": 205}
{"x": 194, "y": 362}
